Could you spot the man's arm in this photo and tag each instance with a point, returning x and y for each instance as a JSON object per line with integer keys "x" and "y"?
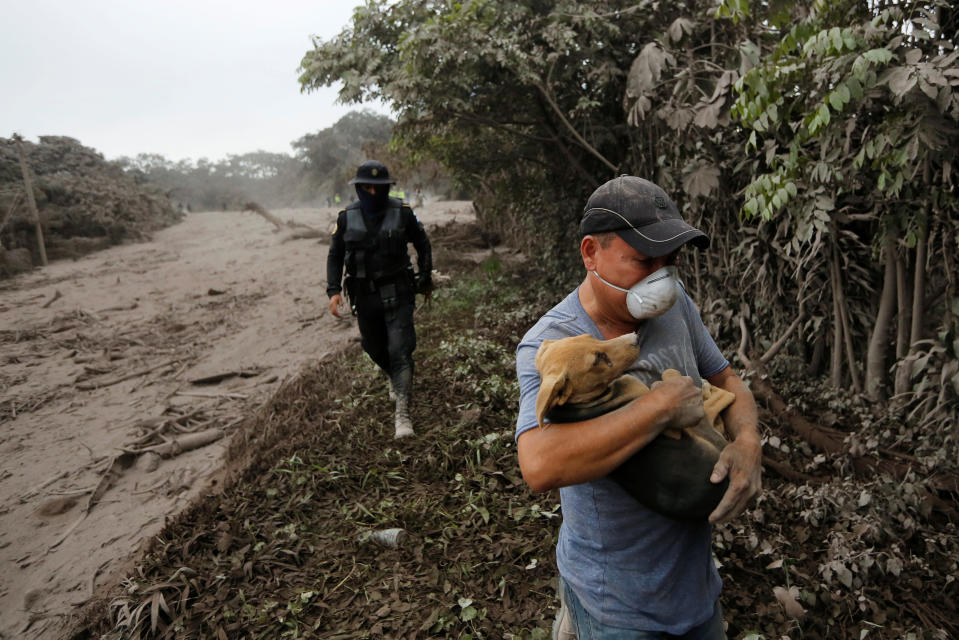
{"x": 334, "y": 260}
{"x": 560, "y": 455}
{"x": 334, "y": 265}
{"x": 741, "y": 459}
{"x": 421, "y": 242}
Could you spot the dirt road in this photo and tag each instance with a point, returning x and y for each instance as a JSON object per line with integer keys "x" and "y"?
{"x": 136, "y": 347}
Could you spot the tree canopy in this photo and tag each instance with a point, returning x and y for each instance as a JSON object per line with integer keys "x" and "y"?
{"x": 812, "y": 142}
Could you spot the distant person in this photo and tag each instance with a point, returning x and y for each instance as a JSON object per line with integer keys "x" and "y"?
{"x": 370, "y": 240}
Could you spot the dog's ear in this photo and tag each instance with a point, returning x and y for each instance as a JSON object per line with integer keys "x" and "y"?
{"x": 540, "y": 360}
{"x": 554, "y": 390}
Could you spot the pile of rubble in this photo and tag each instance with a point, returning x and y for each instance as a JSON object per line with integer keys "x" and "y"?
{"x": 84, "y": 203}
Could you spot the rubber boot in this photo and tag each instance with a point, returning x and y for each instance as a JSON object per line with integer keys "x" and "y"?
{"x": 402, "y": 385}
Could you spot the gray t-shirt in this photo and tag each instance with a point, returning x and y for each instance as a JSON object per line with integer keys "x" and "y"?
{"x": 629, "y": 566}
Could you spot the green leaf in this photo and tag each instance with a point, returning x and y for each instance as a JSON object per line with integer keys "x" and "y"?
{"x": 854, "y": 87}
{"x": 815, "y": 123}
{"x": 878, "y": 56}
{"x": 860, "y": 158}
{"x": 824, "y": 114}
{"x": 835, "y": 36}
{"x": 835, "y": 101}
{"x": 849, "y": 40}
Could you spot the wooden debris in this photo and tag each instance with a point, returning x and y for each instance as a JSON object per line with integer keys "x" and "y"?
{"x": 220, "y": 377}
{"x": 56, "y": 296}
{"x": 183, "y": 443}
{"x": 122, "y": 307}
{"x": 95, "y": 384}
{"x": 118, "y": 464}
{"x": 303, "y": 234}
{"x": 200, "y": 394}
{"x": 302, "y": 230}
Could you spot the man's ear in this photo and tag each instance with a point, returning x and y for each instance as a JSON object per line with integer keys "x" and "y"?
{"x": 554, "y": 390}
{"x": 588, "y": 247}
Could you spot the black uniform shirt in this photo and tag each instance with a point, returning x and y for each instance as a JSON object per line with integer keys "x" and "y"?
{"x": 414, "y": 234}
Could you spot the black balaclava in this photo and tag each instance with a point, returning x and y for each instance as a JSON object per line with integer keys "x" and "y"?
{"x": 370, "y": 202}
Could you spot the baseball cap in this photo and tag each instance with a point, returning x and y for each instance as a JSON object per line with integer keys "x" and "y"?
{"x": 642, "y": 214}
{"x": 372, "y": 172}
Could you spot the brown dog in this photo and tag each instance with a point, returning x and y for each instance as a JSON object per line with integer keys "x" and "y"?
{"x": 583, "y": 377}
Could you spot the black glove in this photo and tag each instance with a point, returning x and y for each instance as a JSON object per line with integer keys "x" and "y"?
{"x": 424, "y": 283}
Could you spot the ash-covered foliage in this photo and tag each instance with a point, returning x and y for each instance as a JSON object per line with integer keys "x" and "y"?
{"x": 827, "y": 552}
{"x": 84, "y": 201}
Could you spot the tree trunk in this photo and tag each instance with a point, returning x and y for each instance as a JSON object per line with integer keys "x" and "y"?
{"x": 918, "y": 289}
{"x": 31, "y": 201}
{"x": 904, "y": 296}
{"x": 840, "y": 305}
{"x": 879, "y": 343}
{"x": 835, "y": 357}
{"x": 905, "y": 370}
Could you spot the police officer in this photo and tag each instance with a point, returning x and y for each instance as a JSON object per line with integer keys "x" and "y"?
{"x": 370, "y": 240}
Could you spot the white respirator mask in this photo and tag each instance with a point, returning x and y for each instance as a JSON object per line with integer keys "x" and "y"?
{"x": 652, "y": 296}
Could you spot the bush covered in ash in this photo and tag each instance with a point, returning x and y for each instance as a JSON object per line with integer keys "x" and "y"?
{"x": 85, "y": 202}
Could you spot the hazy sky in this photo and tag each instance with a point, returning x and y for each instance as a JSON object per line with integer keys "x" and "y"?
{"x": 183, "y": 78}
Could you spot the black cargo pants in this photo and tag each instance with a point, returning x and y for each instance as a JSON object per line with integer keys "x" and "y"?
{"x": 384, "y": 314}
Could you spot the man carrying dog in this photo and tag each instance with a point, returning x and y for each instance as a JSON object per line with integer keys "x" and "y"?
{"x": 370, "y": 239}
{"x": 627, "y": 572}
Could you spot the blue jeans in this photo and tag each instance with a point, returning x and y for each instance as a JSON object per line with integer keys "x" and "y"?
{"x": 589, "y": 628}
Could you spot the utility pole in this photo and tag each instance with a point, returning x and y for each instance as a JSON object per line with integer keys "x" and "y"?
{"x": 31, "y": 201}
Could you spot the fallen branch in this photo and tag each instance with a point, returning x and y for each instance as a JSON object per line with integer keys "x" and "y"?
{"x": 122, "y": 307}
{"x": 303, "y": 234}
{"x": 276, "y": 222}
{"x": 219, "y": 377}
{"x": 87, "y": 386}
{"x": 787, "y": 472}
{"x": 183, "y": 443}
{"x": 197, "y": 394}
{"x": 833, "y": 441}
{"x": 118, "y": 464}
{"x": 828, "y": 440}
{"x": 56, "y": 296}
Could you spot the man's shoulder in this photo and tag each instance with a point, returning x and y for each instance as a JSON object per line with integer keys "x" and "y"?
{"x": 352, "y": 206}
{"x": 397, "y": 203}
{"x": 565, "y": 319}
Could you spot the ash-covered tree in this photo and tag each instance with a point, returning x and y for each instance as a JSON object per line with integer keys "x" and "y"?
{"x": 812, "y": 142}
{"x": 522, "y": 101}
{"x": 330, "y": 156}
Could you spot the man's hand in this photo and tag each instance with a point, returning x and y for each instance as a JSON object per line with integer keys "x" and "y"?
{"x": 682, "y": 402}
{"x": 741, "y": 461}
{"x": 336, "y": 304}
{"x": 424, "y": 283}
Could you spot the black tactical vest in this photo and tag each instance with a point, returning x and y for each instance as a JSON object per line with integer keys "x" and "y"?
{"x": 376, "y": 254}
